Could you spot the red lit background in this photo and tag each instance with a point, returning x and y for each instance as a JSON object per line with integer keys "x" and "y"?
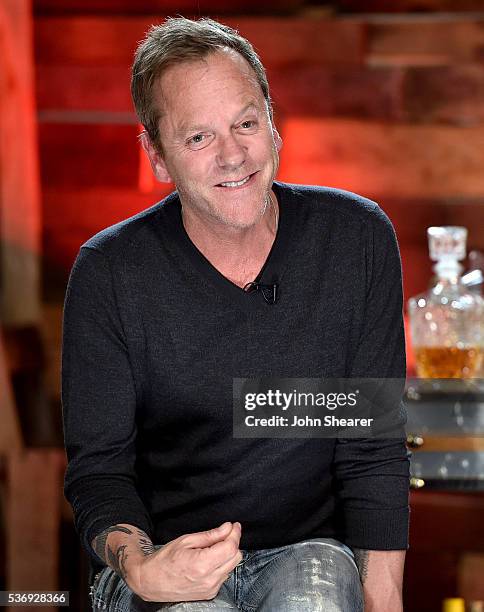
{"x": 388, "y": 106}
{"x": 382, "y": 98}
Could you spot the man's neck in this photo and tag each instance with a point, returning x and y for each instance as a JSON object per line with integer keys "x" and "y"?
{"x": 237, "y": 254}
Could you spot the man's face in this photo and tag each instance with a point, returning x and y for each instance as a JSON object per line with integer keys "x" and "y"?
{"x": 216, "y": 129}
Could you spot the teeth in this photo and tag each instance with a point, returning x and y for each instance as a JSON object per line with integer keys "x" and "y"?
{"x": 242, "y": 182}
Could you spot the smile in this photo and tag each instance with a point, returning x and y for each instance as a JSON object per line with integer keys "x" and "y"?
{"x": 236, "y": 183}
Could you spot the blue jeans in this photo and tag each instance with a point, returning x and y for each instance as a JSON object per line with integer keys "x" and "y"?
{"x": 310, "y": 576}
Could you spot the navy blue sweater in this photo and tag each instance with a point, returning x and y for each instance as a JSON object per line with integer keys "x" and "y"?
{"x": 153, "y": 336}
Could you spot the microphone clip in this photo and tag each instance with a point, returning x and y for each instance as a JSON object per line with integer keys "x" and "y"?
{"x": 269, "y": 292}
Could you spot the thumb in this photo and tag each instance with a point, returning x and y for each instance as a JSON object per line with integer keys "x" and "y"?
{"x": 203, "y": 539}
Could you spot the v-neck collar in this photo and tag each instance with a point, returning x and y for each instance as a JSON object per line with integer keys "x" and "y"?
{"x": 272, "y": 269}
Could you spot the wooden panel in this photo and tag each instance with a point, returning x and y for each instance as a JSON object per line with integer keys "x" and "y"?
{"x": 428, "y": 42}
{"x": 97, "y": 40}
{"x": 88, "y": 40}
{"x": 10, "y": 434}
{"x": 429, "y": 577}
{"x": 352, "y": 91}
{"x": 246, "y": 6}
{"x": 51, "y": 329}
{"x": 382, "y": 160}
{"x": 184, "y": 7}
{"x": 455, "y": 520}
{"x": 88, "y": 155}
{"x": 300, "y": 90}
{"x": 452, "y": 94}
{"x": 405, "y": 6}
{"x": 282, "y": 42}
{"x": 445, "y": 527}
{"x": 471, "y": 215}
{"x": 470, "y": 577}
{"x": 32, "y": 515}
{"x": 83, "y": 87}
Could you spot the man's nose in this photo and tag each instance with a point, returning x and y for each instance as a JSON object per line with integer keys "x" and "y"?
{"x": 231, "y": 154}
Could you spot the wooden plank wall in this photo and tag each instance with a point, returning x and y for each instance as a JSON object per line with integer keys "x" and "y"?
{"x": 388, "y": 107}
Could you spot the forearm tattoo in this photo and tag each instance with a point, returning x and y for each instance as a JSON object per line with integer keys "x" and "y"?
{"x": 100, "y": 540}
{"x": 116, "y": 557}
{"x": 145, "y": 543}
{"x": 361, "y": 560}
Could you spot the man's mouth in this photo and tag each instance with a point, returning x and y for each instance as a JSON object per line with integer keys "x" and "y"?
{"x": 234, "y": 184}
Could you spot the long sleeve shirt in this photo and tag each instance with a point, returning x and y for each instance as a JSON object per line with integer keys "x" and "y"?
{"x": 153, "y": 336}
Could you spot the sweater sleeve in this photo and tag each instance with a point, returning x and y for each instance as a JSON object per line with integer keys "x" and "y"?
{"x": 99, "y": 405}
{"x": 372, "y": 474}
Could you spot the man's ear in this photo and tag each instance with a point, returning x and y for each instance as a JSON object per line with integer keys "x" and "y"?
{"x": 277, "y": 138}
{"x": 156, "y": 160}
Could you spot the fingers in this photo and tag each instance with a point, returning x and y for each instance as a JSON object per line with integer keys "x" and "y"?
{"x": 192, "y": 566}
{"x": 218, "y": 553}
{"x": 222, "y": 573}
{"x": 204, "y": 539}
{"x": 228, "y": 566}
{"x": 232, "y": 537}
{"x": 213, "y": 548}
{"x": 222, "y": 554}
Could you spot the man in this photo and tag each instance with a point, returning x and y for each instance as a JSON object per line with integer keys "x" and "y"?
{"x": 232, "y": 275}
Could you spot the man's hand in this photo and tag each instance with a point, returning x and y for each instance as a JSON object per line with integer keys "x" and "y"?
{"x": 190, "y": 568}
{"x": 381, "y": 573}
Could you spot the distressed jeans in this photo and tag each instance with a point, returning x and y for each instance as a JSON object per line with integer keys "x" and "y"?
{"x": 315, "y": 575}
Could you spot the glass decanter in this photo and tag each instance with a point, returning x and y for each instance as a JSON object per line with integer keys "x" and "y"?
{"x": 446, "y": 322}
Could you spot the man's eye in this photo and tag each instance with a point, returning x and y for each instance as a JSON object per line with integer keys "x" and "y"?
{"x": 197, "y": 139}
{"x": 248, "y": 124}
